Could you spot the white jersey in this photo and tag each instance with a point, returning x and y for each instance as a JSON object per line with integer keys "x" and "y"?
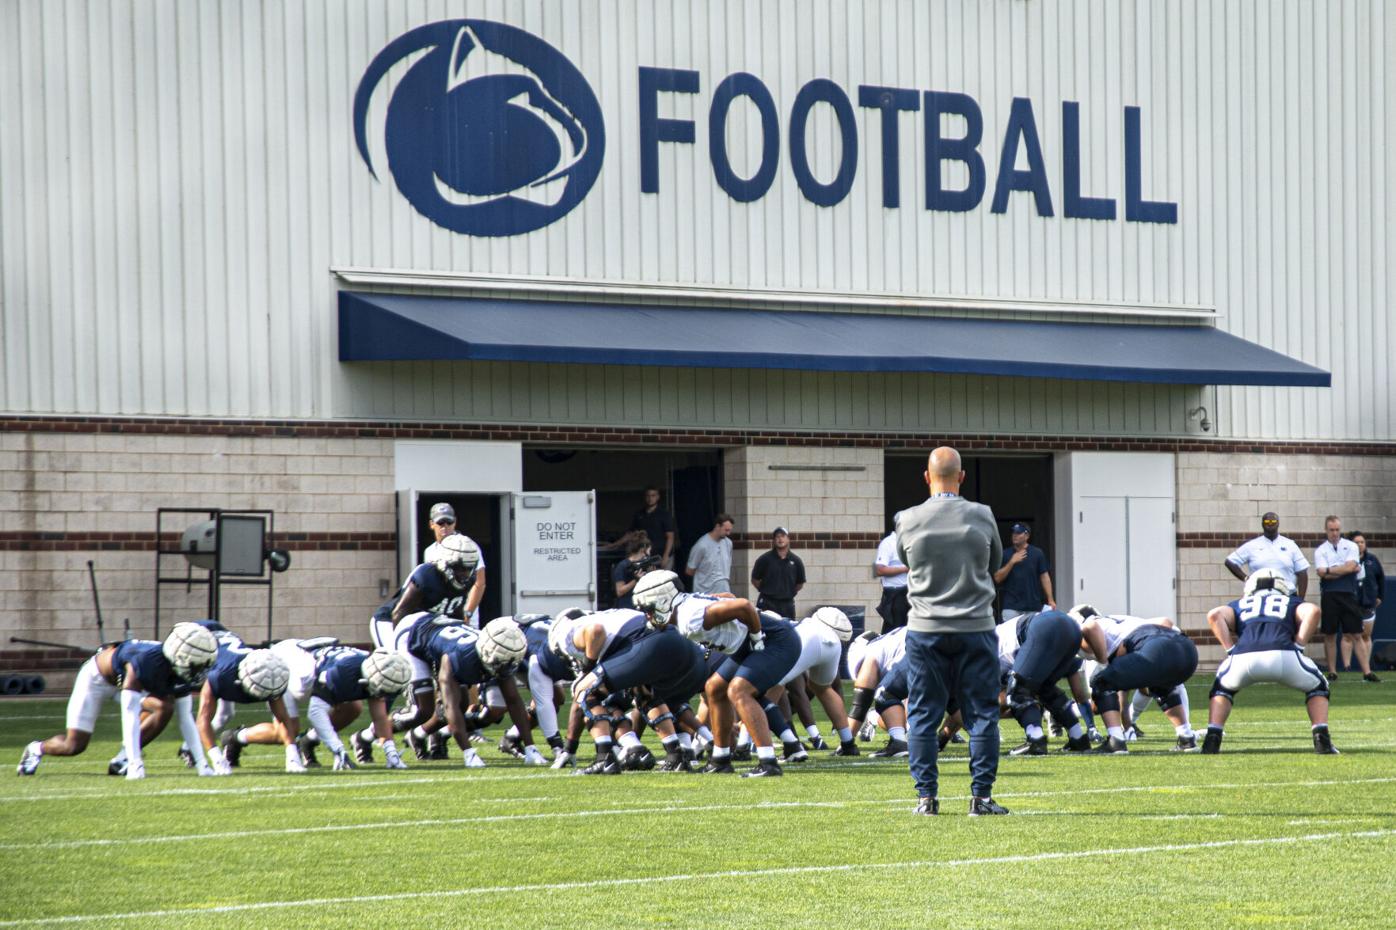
{"x": 889, "y": 649}
{"x": 1007, "y": 632}
{"x": 887, "y": 558}
{"x": 612, "y": 621}
{"x": 688, "y": 618}
{"x": 820, "y": 651}
{"x": 1117, "y": 628}
{"x": 1280, "y": 554}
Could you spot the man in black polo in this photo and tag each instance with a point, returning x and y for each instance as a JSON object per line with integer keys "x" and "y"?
{"x": 658, "y": 525}
{"x": 778, "y": 575}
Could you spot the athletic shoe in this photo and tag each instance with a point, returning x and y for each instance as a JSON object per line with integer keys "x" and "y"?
{"x": 232, "y": 749}
{"x": 1186, "y": 744}
{"x": 742, "y": 753}
{"x": 637, "y": 759}
{"x": 1095, "y": 736}
{"x": 511, "y": 746}
{"x": 943, "y": 740}
{"x": 604, "y": 765}
{"x": 927, "y": 807}
{"x": 436, "y": 744}
{"x": 1323, "y": 743}
{"x": 185, "y": 756}
{"x": 849, "y": 748}
{"x": 1332, "y": 676}
{"x": 1033, "y": 747}
{"x": 765, "y": 768}
{"x": 866, "y": 733}
{"x": 363, "y": 749}
{"x": 1112, "y": 747}
{"x": 895, "y": 749}
{"x": 985, "y": 807}
{"x": 719, "y": 767}
{"x": 958, "y": 737}
{"x": 475, "y": 736}
{"x": 1056, "y": 729}
{"x": 1133, "y": 733}
{"x": 1371, "y": 676}
{"x": 563, "y": 760}
{"x": 1211, "y": 743}
{"x": 700, "y": 748}
{"x": 29, "y": 762}
{"x": 794, "y": 752}
{"x": 1080, "y": 743}
{"x": 115, "y": 767}
{"x": 307, "y": 749}
{"x": 817, "y": 743}
{"x": 419, "y": 745}
{"x": 675, "y": 761}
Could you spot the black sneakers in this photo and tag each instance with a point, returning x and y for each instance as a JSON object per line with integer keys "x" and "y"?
{"x": 795, "y": 752}
{"x": 895, "y": 749}
{"x": 985, "y": 807}
{"x": 307, "y": 750}
{"x": 742, "y": 753}
{"x": 637, "y": 759}
{"x": 927, "y": 807}
{"x": 511, "y": 746}
{"x": 765, "y": 768}
{"x": 1080, "y": 743}
{"x": 1211, "y": 743}
{"x": 604, "y": 765}
{"x": 1323, "y": 743}
{"x": 232, "y": 749}
{"x": 719, "y": 767}
{"x": 1186, "y": 744}
{"x": 817, "y": 743}
{"x": 1033, "y": 747}
{"x": 675, "y": 761}
{"x": 418, "y": 745}
{"x": 849, "y": 748}
{"x": 1113, "y": 746}
{"x": 1371, "y": 676}
{"x": 363, "y": 749}
{"x": 436, "y": 744}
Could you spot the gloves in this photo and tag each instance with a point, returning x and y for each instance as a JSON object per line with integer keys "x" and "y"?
{"x": 472, "y": 759}
{"x": 342, "y": 762}
{"x": 135, "y": 770}
{"x": 562, "y": 760}
{"x": 757, "y": 640}
{"x": 533, "y": 757}
{"x": 393, "y": 757}
{"x": 294, "y": 763}
{"x": 218, "y": 761}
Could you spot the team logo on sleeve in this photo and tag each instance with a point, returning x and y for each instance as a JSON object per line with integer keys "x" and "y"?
{"x": 490, "y": 131}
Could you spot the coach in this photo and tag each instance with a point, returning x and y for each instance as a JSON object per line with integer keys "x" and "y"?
{"x": 778, "y": 574}
{"x": 951, "y": 548}
{"x": 1337, "y": 562}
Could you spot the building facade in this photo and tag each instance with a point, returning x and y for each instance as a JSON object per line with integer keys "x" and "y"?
{"x": 309, "y": 258}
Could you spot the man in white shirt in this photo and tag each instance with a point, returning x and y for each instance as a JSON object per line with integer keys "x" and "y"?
{"x": 891, "y": 571}
{"x": 1271, "y": 550}
{"x": 710, "y": 559}
{"x": 1338, "y": 562}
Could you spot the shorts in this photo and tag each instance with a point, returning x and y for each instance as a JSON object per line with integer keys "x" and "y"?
{"x": 1282, "y": 666}
{"x": 402, "y": 633}
{"x": 89, "y": 691}
{"x": 302, "y": 681}
{"x": 765, "y": 668}
{"x": 819, "y": 658}
{"x": 1341, "y": 613}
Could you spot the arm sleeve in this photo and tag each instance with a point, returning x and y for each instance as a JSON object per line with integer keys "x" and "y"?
{"x": 184, "y": 710}
{"x": 541, "y": 687}
{"x": 319, "y": 714}
{"x": 131, "y": 725}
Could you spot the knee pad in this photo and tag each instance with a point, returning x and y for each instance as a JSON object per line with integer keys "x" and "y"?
{"x": 1219, "y": 691}
{"x": 1320, "y": 691}
{"x": 1108, "y": 700}
{"x": 1062, "y": 709}
{"x": 656, "y": 721}
{"x": 862, "y": 702}
{"x": 1168, "y": 701}
{"x": 882, "y": 700}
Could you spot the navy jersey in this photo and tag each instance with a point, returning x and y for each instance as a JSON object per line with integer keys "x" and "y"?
{"x": 339, "y": 676}
{"x": 1265, "y": 621}
{"x": 432, "y": 642}
{"x": 1145, "y": 632}
{"x": 536, "y": 635}
{"x": 438, "y": 595}
{"x": 223, "y": 676}
{"x": 153, "y": 670}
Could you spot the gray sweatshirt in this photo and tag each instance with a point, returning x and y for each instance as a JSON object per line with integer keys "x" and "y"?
{"x": 951, "y": 547}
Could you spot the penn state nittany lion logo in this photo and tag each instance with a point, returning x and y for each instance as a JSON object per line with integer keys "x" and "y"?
{"x": 490, "y": 132}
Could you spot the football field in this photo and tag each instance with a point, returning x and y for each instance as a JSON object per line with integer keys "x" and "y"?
{"x": 1266, "y": 834}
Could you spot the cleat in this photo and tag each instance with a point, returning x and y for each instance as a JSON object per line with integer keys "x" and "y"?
{"x": 475, "y": 736}
{"x": 958, "y": 737}
{"x": 817, "y": 743}
{"x": 117, "y": 767}
{"x": 563, "y": 759}
{"x": 232, "y": 749}
{"x": 1371, "y": 676}
{"x": 849, "y": 748}
{"x": 795, "y": 752}
{"x": 471, "y": 759}
{"x": 866, "y": 733}
{"x": 418, "y": 745}
{"x": 943, "y": 740}
{"x": 985, "y": 807}
{"x": 742, "y": 753}
{"x": 765, "y": 768}
{"x": 1095, "y": 736}
{"x": 1033, "y": 747}
{"x": 1080, "y": 743}
{"x": 700, "y": 748}
{"x": 895, "y": 749}
{"x": 187, "y": 757}
{"x": 719, "y": 767}
{"x": 1133, "y": 733}
{"x": 927, "y": 807}
{"x": 363, "y": 749}
{"x": 1186, "y": 744}
{"x": 1056, "y": 729}
{"x": 1323, "y": 743}
{"x": 34, "y": 752}
{"x": 1211, "y": 743}
{"x": 1332, "y": 676}
{"x": 511, "y": 746}
{"x": 675, "y": 762}
{"x": 604, "y": 765}
{"x": 436, "y": 744}
{"x": 1112, "y": 747}
{"x": 637, "y": 759}
{"x": 307, "y": 749}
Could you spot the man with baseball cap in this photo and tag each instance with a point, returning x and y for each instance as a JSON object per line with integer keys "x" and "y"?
{"x": 778, "y": 574}
{"x": 1023, "y": 578}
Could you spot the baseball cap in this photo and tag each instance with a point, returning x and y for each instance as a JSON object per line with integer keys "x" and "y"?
{"x": 443, "y": 510}
{"x": 778, "y": 530}
{"x": 1021, "y": 528}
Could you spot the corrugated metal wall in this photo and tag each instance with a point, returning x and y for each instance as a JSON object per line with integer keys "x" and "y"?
{"x": 177, "y": 179}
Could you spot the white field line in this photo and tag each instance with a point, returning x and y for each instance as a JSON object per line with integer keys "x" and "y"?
{"x": 700, "y": 876}
{"x": 664, "y": 806}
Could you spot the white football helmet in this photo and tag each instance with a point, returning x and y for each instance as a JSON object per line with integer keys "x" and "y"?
{"x": 1082, "y": 612}
{"x": 654, "y": 596}
{"x": 502, "y": 646}
{"x": 560, "y": 635}
{"x": 191, "y": 650}
{"x": 263, "y": 674}
{"x": 835, "y": 620}
{"x": 457, "y": 557}
{"x": 385, "y": 672}
{"x": 1267, "y": 578}
{"x": 857, "y": 651}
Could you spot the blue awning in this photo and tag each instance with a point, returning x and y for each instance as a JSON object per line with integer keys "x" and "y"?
{"x": 389, "y": 327}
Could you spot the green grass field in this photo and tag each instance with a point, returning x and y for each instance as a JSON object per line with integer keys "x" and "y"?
{"x": 1266, "y": 834}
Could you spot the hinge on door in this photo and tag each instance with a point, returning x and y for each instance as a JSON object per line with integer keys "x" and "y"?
{"x": 1082, "y": 517}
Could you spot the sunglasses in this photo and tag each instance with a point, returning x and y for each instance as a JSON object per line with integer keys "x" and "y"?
{"x": 445, "y": 521}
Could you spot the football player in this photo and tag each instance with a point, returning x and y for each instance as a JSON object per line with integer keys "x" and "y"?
{"x": 761, "y": 651}
{"x": 1150, "y": 655}
{"x": 454, "y": 657}
{"x": 546, "y": 674}
{"x": 441, "y": 586}
{"x": 133, "y": 670}
{"x": 822, "y": 636}
{"x": 1264, "y": 633}
{"x": 879, "y": 682}
{"x": 1037, "y": 650}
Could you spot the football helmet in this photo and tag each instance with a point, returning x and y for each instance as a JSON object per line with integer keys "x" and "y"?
{"x": 385, "y": 672}
{"x": 1267, "y": 578}
{"x": 1082, "y": 612}
{"x": 835, "y": 620}
{"x": 191, "y": 650}
{"x": 263, "y": 674}
{"x": 654, "y": 595}
{"x": 501, "y": 646}
{"x": 457, "y": 558}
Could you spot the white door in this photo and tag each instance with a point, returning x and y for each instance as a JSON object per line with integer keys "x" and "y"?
{"x": 407, "y": 548}
{"x": 1152, "y": 554}
{"x": 1102, "y": 564}
{"x": 554, "y": 548}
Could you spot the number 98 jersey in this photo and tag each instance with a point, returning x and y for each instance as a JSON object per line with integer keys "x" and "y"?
{"x": 432, "y": 641}
{"x": 1265, "y": 621}
{"x": 223, "y": 676}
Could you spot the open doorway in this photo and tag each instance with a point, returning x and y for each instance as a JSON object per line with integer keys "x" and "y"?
{"x": 479, "y": 516}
